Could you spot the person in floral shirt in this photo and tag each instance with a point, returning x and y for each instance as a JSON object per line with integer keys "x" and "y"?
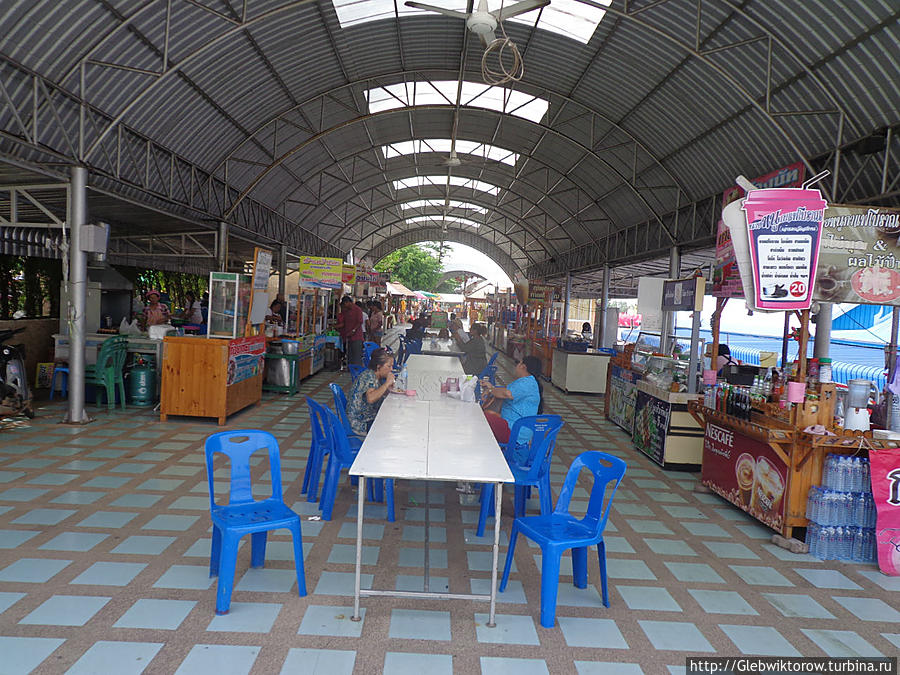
{"x": 369, "y": 391}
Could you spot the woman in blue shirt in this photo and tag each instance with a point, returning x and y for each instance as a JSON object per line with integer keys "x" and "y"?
{"x": 522, "y": 398}
{"x": 369, "y": 391}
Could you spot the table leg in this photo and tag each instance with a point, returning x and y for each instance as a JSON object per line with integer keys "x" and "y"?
{"x": 498, "y": 499}
{"x": 359, "y": 536}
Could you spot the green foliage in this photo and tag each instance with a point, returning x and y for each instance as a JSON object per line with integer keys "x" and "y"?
{"x": 30, "y": 284}
{"x": 418, "y": 267}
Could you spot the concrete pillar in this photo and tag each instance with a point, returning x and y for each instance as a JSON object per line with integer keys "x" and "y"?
{"x": 77, "y": 218}
{"x": 823, "y": 331}
{"x": 223, "y": 247}
{"x": 668, "y": 323}
{"x": 282, "y": 271}
{"x": 565, "y": 322}
{"x": 601, "y": 339}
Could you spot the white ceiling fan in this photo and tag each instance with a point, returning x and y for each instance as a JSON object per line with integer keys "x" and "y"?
{"x": 480, "y": 21}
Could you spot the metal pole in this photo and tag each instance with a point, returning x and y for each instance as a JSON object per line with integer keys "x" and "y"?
{"x": 565, "y": 326}
{"x": 823, "y": 331}
{"x": 601, "y": 339}
{"x": 282, "y": 270}
{"x": 77, "y": 217}
{"x": 223, "y": 247}
{"x": 668, "y": 320}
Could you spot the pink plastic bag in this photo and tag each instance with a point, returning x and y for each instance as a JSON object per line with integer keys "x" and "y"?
{"x": 885, "y": 472}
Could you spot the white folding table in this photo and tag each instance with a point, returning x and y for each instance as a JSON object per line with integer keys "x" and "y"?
{"x": 440, "y": 347}
{"x": 431, "y": 440}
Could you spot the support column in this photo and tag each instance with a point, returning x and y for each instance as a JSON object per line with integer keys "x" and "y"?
{"x": 565, "y": 326}
{"x": 823, "y": 331}
{"x": 668, "y": 322}
{"x": 223, "y": 247}
{"x": 282, "y": 271}
{"x": 77, "y": 218}
{"x": 601, "y": 339}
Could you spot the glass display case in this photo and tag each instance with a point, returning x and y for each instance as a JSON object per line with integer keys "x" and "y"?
{"x": 648, "y": 344}
{"x": 667, "y": 373}
{"x": 229, "y": 304}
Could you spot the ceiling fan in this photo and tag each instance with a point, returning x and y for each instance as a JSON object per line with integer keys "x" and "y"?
{"x": 480, "y": 21}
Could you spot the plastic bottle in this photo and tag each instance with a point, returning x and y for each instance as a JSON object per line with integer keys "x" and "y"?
{"x": 404, "y": 379}
{"x": 825, "y": 370}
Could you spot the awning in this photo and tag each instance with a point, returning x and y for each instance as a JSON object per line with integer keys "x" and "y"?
{"x": 451, "y": 298}
{"x": 398, "y": 289}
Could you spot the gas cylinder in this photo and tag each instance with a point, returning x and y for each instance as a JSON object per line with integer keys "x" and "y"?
{"x": 142, "y": 384}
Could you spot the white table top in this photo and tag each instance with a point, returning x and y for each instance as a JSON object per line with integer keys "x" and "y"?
{"x": 431, "y": 440}
{"x": 440, "y": 347}
{"x": 426, "y": 373}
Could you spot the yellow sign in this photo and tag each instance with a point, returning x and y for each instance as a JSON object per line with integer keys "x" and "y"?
{"x": 318, "y": 272}
{"x": 349, "y": 274}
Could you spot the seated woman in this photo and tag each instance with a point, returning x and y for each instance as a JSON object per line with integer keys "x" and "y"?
{"x": 475, "y": 349}
{"x": 369, "y": 391}
{"x": 522, "y": 398}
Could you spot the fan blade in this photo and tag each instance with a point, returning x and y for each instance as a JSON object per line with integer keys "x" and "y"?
{"x": 439, "y": 10}
{"x": 518, "y": 8}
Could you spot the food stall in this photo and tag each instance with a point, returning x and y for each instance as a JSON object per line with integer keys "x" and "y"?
{"x": 220, "y": 373}
{"x": 318, "y": 278}
{"x": 580, "y": 370}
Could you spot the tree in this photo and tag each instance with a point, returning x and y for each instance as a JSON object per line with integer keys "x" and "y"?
{"x": 417, "y": 267}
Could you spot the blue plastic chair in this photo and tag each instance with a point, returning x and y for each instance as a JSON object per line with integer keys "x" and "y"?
{"x": 529, "y": 462}
{"x": 489, "y": 372}
{"x": 244, "y": 515}
{"x": 412, "y": 347}
{"x": 492, "y": 360}
{"x": 375, "y": 486}
{"x": 368, "y": 348}
{"x": 356, "y": 371}
{"x": 318, "y": 448}
{"x": 560, "y": 530}
{"x": 341, "y": 457}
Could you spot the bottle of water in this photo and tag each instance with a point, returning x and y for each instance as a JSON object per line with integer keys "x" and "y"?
{"x": 828, "y": 472}
{"x": 404, "y": 379}
{"x": 812, "y": 539}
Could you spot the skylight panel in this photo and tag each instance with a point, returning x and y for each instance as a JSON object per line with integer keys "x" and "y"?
{"x": 441, "y": 181}
{"x": 443, "y": 92}
{"x": 439, "y": 219}
{"x": 569, "y": 18}
{"x": 439, "y": 204}
{"x": 444, "y": 144}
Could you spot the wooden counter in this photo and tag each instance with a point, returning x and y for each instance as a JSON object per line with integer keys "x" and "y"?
{"x": 208, "y": 377}
{"x": 664, "y": 430}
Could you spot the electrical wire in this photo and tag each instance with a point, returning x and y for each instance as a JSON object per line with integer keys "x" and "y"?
{"x": 502, "y": 47}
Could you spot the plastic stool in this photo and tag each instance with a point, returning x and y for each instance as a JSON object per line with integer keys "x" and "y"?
{"x": 64, "y": 371}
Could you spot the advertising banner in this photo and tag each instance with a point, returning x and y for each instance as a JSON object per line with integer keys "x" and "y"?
{"x": 683, "y": 294}
{"x": 784, "y": 227}
{"x": 262, "y": 266}
{"x": 746, "y": 472}
{"x": 651, "y": 421}
{"x": 318, "y": 272}
{"x": 859, "y": 260}
{"x": 885, "y": 474}
{"x": 539, "y": 294}
{"x": 726, "y": 281}
{"x": 622, "y": 394}
{"x": 246, "y": 357}
{"x": 348, "y": 274}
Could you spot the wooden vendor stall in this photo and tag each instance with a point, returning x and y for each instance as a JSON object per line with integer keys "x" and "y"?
{"x": 664, "y": 430}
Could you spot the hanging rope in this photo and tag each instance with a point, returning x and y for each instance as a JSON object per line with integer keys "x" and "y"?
{"x": 502, "y": 47}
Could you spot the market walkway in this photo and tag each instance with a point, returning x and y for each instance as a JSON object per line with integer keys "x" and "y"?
{"x": 104, "y": 543}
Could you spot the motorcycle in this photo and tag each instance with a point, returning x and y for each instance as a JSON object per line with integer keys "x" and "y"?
{"x": 15, "y": 394}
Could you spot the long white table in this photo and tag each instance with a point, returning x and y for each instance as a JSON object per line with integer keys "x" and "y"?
{"x": 426, "y": 373}
{"x": 441, "y": 440}
{"x": 441, "y": 347}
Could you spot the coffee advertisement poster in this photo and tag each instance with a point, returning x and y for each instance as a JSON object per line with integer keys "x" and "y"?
{"x": 746, "y": 472}
{"x": 622, "y": 394}
{"x": 859, "y": 259}
{"x": 651, "y": 422}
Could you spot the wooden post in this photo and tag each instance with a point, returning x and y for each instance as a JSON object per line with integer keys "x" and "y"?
{"x": 784, "y": 342}
{"x": 716, "y": 324}
{"x": 804, "y": 339}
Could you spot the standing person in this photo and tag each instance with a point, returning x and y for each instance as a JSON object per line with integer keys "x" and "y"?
{"x": 522, "y": 398}
{"x": 376, "y": 323}
{"x": 192, "y": 312}
{"x": 350, "y": 326}
{"x": 155, "y": 313}
{"x": 365, "y": 314}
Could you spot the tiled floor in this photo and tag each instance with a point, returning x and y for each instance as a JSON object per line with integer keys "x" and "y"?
{"x": 104, "y": 544}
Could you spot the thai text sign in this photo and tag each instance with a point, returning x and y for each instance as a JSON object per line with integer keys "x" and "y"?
{"x": 859, "y": 261}
{"x": 348, "y": 274}
{"x": 683, "y": 294}
{"x": 746, "y": 472}
{"x": 784, "y": 227}
{"x": 245, "y": 358}
{"x": 885, "y": 472}
{"x": 622, "y": 394}
{"x": 318, "y": 272}
{"x": 726, "y": 281}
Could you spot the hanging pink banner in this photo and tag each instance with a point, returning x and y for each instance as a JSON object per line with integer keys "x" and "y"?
{"x": 885, "y": 471}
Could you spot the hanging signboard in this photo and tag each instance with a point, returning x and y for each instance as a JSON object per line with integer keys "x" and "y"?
{"x": 259, "y": 298}
{"x": 348, "y": 274}
{"x": 540, "y": 294}
{"x": 318, "y": 272}
{"x": 784, "y": 229}
{"x": 683, "y": 295}
{"x": 726, "y": 281}
{"x": 859, "y": 261}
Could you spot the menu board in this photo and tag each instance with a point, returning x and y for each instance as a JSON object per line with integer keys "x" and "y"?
{"x": 651, "y": 422}
{"x": 746, "y": 472}
{"x": 784, "y": 228}
{"x": 245, "y": 358}
{"x": 726, "y": 281}
{"x": 348, "y": 274}
{"x": 859, "y": 260}
{"x": 683, "y": 294}
{"x": 318, "y": 272}
{"x": 539, "y": 294}
{"x": 621, "y": 396}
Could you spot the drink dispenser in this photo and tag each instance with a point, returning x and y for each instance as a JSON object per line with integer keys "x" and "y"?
{"x": 856, "y": 412}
